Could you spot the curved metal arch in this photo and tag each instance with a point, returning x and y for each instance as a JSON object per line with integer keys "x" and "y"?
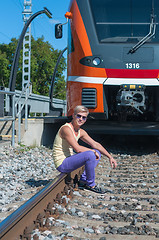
{"x": 14, "y": 68}
{"x": 53, "y": 82}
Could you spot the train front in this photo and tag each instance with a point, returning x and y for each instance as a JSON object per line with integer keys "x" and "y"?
{"x": 113, "y": 59}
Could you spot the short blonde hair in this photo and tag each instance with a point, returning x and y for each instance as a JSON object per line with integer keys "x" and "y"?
{"x": 80, "y": 108}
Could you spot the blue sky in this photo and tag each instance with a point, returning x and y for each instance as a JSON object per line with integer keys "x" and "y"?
{"x": 11, "y": 21}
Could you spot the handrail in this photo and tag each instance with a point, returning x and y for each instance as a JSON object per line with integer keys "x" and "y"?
{"x": 7, "y": 92}
{"x": 22, "y": 92}
{"x": 27, "y": 91}
{"x": 12, "y": 118}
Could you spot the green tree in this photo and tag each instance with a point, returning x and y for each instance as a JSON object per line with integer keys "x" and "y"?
{"x": 4, "y": 71}
{"x": 43, "y": 61}
{"x": 7, "y": 51}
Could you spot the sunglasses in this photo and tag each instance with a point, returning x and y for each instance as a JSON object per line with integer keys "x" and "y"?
{"x": 80, "y": 116}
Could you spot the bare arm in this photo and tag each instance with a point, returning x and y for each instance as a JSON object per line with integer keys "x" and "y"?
{"x": 87, "y": 139}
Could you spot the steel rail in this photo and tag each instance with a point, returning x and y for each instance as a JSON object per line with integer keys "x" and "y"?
{"x": 13, "y": 227}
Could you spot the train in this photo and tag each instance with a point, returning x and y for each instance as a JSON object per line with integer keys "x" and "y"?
{"x": 113, "y": 58}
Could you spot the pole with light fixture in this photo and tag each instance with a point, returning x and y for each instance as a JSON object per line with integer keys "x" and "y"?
{"x": 13, "y": 73}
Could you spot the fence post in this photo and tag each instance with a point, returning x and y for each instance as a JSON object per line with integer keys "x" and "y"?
{"x": 13, "y": 121}
{"x": 19, "y": 122}
{"x": 2, "y": 103}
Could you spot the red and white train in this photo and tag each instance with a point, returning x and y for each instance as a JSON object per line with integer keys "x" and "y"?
{"x": 113, "y": 58}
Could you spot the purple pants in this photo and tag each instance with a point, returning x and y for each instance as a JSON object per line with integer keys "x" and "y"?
{"x": 75, "y": 161}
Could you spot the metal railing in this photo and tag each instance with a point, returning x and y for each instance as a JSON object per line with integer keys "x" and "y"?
{"x": 13, "y": 116}
{"x": 31, "y": 103}
{"x": 19, "y": 106}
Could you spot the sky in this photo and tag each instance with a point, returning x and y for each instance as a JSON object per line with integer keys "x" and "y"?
{"x": 11, "y": 20}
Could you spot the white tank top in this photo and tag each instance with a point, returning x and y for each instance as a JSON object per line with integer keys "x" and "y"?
{"x": 61, "y": 148}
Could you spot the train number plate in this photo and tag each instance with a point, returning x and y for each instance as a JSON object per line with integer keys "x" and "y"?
{"x": 132, "y": 65}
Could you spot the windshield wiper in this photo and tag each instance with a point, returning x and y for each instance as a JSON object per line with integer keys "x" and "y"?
{"x": 147, "y": 37}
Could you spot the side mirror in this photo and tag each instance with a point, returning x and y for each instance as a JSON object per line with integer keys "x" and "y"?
{"x": 58, "y": 30}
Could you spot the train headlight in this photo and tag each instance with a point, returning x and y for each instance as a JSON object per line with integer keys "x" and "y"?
{"x": 96, "y": 61}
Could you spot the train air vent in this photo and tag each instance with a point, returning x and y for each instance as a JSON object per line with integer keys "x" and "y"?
{"x": 89, "y": 97}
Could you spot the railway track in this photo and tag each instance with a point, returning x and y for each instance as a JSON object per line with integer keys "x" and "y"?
{"x": 128, "y": 210}
{"x": 20, "y": 223}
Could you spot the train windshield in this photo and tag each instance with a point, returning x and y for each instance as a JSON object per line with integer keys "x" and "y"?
{"x": 125, "y": 20}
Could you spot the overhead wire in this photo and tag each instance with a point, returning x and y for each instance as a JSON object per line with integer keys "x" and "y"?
{"x": 5, "y": 35}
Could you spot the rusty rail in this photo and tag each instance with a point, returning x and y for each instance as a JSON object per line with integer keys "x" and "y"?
{"x": 20, "y": 223}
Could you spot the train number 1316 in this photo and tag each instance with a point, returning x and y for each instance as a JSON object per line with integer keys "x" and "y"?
{"x": 132, "y": 65}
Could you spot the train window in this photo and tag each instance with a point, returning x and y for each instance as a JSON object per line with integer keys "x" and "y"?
{"x": 125, "y": 20}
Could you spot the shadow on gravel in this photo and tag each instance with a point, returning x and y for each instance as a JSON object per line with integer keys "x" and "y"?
{"x": 37, "y": 183}
{"x": 132, "y": 145}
